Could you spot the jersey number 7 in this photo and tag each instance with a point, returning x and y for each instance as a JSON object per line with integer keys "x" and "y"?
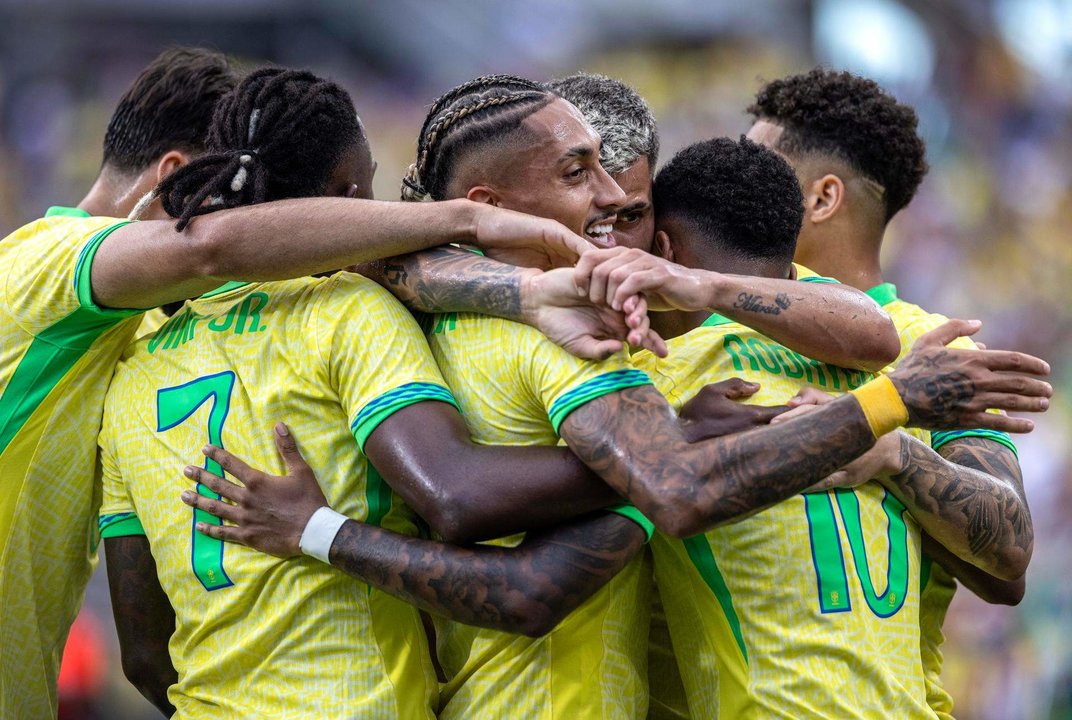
{"x": 173, "y": 406}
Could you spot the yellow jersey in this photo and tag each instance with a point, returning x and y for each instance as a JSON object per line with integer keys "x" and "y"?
{"x": 515, "y": 387}
{"x": 938, "y": 586}
{"x": 808, "y": 609}
{"x": 57, "y": 355}
{"x": 257, "y": 636}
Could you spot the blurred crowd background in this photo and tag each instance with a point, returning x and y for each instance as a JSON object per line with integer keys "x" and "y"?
{"x": 986, "y": 237}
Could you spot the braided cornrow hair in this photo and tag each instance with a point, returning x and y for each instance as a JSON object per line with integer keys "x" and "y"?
{"x": 279, "y": 134}
{"x": 470, "y": 115}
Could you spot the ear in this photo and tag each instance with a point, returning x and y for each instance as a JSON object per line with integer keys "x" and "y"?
{"x": 169, "y": 162}
{"x": 484, "y": 194}
{"x": 663, "y": 247}
{"x": 825, "y": 198}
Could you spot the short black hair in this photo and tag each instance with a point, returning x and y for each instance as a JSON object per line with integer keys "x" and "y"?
{"x": 467, "y": 117}
{"x": 739, "y": 195}
{"x": 618, "y": 113}
{"x": 852, "y": 119}
{"x": 280, "y": 134}
{"x": 169, "y": 107}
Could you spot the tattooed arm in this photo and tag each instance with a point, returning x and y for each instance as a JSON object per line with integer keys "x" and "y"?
{"x": 527, "y": 589}
{"x": 989, "y": 588}
{"x": 449, "y": 279}
{"x": 629, "y": 437}
{"x": 832, "y": 323}
{"x": 144, "y": 618}
{"x": 972, "y": 503}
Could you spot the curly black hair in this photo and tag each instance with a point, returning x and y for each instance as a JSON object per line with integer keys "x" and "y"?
{"x": 850, "y": 118}
{"x": 279, "y": 134}
{"x": 740, "y": 195}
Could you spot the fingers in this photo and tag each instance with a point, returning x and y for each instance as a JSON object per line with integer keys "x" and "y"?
{"x": 221, "y": 486}
{"x": 993, "y": 421}
{"x": 216, "y": 508}
{"x": 568, "y": 245}
{"x": 1011, "y": 402}
{"x": 810, "y": 396}
{"x": 588, "y": 262}
{"x": 792, "y": 413}
{"x": 288, "y": 450}
{"x": 593, "y": 349}
{"x": 766, "y": 414}
{"x": 734, "y": 388}
{"x": 1011, "y": 360}
{"x": 607, "y": 276}
{"x": 231, "y": 464}
{"x": 228, "y": 533}
{"x": 948, "y": 332}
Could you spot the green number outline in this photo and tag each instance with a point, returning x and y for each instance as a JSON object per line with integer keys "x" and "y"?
{"x": 829, "y": 559}
{"x": 174, "y": 405}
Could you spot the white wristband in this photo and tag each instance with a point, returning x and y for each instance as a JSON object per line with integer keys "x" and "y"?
{"x": 320, "y": 533}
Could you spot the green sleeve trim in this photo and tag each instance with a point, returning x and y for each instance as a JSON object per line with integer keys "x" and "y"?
{"x": 378, "y": 410}
{"x": 60, "y": 211}
{"x": 120, "y": 525}
{"x": 629, "y": 511}
{"x": 883, "y": 294}
{"x": 594, "y": 388}
{"x": 940, "y": 438}
{"x": 716, "y": 320}
{"x": 820, "y": 279}
{"x": 82, "y": 283}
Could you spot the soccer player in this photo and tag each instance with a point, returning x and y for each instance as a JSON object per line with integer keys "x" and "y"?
{"x": 859, "y": 158}
{"x": 773, "y": 641}
{"x": 515, "y": 387}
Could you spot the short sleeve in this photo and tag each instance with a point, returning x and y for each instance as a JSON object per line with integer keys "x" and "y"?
{"x": 564, "y": 382}
{"x": 377, "y": 357}
{"x": 47, "y": 280}
{"x": 629, "y": 511}
{"x": 808, "y": 275}
{"x": 117, "y": 516}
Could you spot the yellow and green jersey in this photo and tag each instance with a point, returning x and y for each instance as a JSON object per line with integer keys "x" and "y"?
{"x": 515, "y": 387}
{"x": 810, "y": 608}
{"x": 938, "y": 586}
{"x": 257, "y": 636}
{"x": 56, "y": 357}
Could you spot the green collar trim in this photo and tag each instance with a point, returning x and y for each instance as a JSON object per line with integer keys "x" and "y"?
{"x": 716, "y": 320}
{"x": 60, "y": 211}
{"x": 226, "y": 287}
{"x": 883, "y": 294}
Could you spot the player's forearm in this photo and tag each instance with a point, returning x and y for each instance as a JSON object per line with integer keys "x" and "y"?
{"x": 144, "y": 619}
{"x": 969, "y": 506}
{"x": 832, "y": 323}
{"x": 527, "y": 589}
{"x": 987, "y": 587}
{"x": 632, "y": 441}
{"x": 147, "y": 264}
{"x": 449, "y": 279}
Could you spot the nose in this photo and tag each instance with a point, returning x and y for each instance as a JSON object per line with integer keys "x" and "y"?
{"x": 608, "y": 196}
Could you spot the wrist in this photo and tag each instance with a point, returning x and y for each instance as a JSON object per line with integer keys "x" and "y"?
{"x": 717, "y": 290}
{"x": 530, "y": 288}
{"x": 320, "y": 532}
{"x": 882, "y": 405}
{"x": 467, "y": 218}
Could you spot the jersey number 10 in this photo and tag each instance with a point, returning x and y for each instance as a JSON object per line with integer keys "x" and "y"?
{"x": 173, "y": 406}
{"x": 829, "y": 558}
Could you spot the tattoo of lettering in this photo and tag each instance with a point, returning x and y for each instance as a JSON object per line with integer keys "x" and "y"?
{"x": 448, "y": 279}
{"x": 526, "y": 589}
{"x": 145, "y": 620}
{"x": 754, "y": 303}
{"x": 976, "y": 498}
{"x": 631, "y": 440}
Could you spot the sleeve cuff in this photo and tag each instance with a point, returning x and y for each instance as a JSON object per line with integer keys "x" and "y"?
{"x": 120, "y": 525}
{"x": 82, "y": 284}
{"x": 591, "y": 389}
{"x": 628, "y": 511}
{"x": 378, "y": 410}
{"x": 819, "y": 279}
{"x": 940, "y": 438}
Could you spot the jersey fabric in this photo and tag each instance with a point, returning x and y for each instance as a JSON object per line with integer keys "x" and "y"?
{"x": 939, "y": 587}
{"x": 57, "y": 355}
{"x": 257, "y": 636}
{"x": 808, "y": 609}
{"x": 515, "y": 387}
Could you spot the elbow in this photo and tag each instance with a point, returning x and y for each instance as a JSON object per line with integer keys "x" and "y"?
{"x": 210, "y": 237}
{"x": 140, "y": 670}
{"x": 535, "y": 622}
{"x": 454, "y": 518}
{"x": 880, "y": 351}
{"x": 1005, "y": 592}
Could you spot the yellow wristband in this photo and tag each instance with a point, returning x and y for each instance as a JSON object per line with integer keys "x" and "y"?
{"x": 882, "y": 405}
